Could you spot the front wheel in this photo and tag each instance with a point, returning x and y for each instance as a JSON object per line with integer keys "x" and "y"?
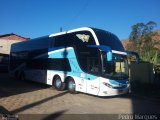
{"x": 71, "y": 86}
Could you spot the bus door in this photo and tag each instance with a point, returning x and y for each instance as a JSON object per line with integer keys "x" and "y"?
{"x": 92, "y": 76}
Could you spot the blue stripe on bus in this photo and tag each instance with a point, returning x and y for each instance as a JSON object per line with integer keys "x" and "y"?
{"x": 65, "y": 53}
{"x": 117, "y": 82}
{"x": 55, "y": 48}
{"x": 75, "y": 68}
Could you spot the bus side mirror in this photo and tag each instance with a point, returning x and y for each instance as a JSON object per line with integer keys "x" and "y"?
{"x": 105, "y": 50}
{"x": 109, "y": 56}
{"x": 135, "y": 54}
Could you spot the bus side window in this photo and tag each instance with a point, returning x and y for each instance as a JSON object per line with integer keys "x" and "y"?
{"x": 92, "y": 65}
{"x": 64, "y": 40}
{"x": 60, "y": 41}
{"x": 52, "y": 39}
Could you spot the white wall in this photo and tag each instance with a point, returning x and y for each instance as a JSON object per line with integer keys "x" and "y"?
{"x": 5, "y": 45}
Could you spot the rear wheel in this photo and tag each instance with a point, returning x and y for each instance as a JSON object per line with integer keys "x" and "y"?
{"x": 71, "y": 86}
{"x": 58, "y": 84}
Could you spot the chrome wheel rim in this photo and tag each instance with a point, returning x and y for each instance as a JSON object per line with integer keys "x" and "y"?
{"x": 71, "y": 85}
{"x": 58, "y": 83}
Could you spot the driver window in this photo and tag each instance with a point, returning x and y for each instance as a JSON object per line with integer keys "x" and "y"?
{"x": 92, "y": 65}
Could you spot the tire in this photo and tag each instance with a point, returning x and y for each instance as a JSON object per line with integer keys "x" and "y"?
{"x": 71, "y": 86}
{"x": 58, "y": 84}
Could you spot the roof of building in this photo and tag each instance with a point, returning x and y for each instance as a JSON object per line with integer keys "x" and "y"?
{"x": 9, "y": 35}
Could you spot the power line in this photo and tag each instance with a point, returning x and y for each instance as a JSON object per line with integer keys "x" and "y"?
{"x": 77, "y": 15}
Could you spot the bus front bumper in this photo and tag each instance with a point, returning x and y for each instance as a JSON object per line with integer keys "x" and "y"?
{"x": 113, "y": 92}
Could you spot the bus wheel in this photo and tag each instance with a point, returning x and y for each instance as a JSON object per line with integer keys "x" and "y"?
{"x": 71, "y": 86}
{"x": 58, "y": 84}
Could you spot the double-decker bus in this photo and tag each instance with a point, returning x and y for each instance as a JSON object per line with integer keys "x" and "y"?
{"x": 87, "y": 60}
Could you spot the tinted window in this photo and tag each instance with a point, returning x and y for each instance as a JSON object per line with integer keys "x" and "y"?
{"x": 60, "y": 40}
{"x": 34, "y": 44}
{"x": 88, "y": 59}
{"x": 61, "y": 64}
{"x": 17, "y": 59}
{"x": 76, "y": 38}
{"x": 109, "y": 39}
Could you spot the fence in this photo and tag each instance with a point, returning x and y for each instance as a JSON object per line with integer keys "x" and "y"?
{"x": 143, "y": 77}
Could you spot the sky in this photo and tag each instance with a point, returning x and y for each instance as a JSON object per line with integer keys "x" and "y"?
{"x": 36, "y": 18}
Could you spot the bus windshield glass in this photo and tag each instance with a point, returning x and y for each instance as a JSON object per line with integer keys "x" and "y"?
{"x": 109, "y": 39}
{"x": 115, "y": 69}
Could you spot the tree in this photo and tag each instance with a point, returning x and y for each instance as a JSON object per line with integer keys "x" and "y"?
{"x": 142, "y": 40}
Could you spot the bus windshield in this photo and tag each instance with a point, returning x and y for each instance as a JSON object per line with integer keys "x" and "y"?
{"x": 109, "y": 39}
{"x": 115, "y": 69}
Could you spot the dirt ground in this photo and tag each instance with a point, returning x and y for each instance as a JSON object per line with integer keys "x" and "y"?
{"x": 26, "y": 98}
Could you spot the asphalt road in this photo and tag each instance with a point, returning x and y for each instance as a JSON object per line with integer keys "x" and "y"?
{"x": 30, "y": 100}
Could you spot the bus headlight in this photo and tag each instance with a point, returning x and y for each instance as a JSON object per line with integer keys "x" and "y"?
{"x": 108, "y": 85}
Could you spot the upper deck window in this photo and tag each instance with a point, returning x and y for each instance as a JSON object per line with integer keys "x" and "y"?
{"x": 109, "y": 39}
{"x": 76, "y": 38}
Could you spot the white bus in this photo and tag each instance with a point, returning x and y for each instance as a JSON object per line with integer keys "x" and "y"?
{"x": 86, "y": 59}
